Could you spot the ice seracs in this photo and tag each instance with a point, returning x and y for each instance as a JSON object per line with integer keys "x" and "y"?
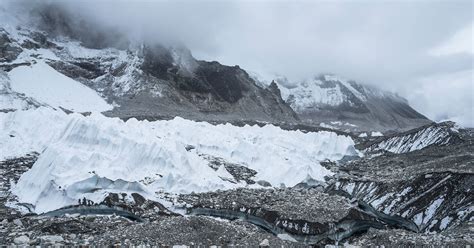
{"x": 91, "y": 156}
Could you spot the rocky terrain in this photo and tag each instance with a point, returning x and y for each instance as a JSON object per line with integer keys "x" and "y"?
{"x": 329, "y": 213}
{"x": 410, "y": 198}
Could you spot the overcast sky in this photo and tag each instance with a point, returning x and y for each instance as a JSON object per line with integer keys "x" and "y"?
{"x": 420, "y": 49}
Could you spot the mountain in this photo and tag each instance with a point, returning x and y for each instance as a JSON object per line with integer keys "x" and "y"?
{"x": 330, "y": 100}
{"x": 154, "y": 81}
{"x": 106, "y": 141}
{"x": 140, "y": 79}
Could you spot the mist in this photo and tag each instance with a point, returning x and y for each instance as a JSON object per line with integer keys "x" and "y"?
{"x": 420, "y": 49}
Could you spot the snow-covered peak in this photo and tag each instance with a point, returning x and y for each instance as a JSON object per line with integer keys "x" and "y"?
{"x": 345, "y": 83}
{"x": 317, "y": 92}
{"x": 329, "y": 90}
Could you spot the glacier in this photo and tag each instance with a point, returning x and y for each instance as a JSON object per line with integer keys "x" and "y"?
{"x": 91, "y": 156}
{"x": 416, "y": 139}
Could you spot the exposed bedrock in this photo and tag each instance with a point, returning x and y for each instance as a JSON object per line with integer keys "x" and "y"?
{"x": 8, "y": 50}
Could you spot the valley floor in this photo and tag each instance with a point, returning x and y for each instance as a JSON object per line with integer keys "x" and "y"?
{"x": 304, "y": 215}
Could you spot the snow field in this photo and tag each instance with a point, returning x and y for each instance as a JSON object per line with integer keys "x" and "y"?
{"x": 43, "y": 83}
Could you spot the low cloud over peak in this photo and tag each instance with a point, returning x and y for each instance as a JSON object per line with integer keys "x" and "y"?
{"x": 412, "y": 47}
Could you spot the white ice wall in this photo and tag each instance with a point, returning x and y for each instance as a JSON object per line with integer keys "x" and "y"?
{"x": 78, "y": 151}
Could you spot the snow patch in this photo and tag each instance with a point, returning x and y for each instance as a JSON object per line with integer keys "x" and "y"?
{"x": 287, "y": 237}
{"x": 445, "y": 222}
{"x": 349, "y": 188}
{"x": 43, "y": 83}
{"x": 376, "y": 134}
{"x": 418, "y": 218}
{"x": 431, "y": 210}
{"x": 376, "y": 203}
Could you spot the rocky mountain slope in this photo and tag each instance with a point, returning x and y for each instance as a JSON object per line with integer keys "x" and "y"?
{"x": 142, "y": 80}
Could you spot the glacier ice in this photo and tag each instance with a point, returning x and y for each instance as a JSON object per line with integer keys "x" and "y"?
{"x": 414, "y": 140}
{"x": 91, "y": 156}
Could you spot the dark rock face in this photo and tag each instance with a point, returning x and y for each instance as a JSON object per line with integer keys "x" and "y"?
{"x": 228, "y": 83}
{"x": 158, "y": 62}
{"x": 224, "y": 83}
{"x": 378, "y": 114}
{"x": 240, "y": 173}
{"x": 10, "y": 171}
{"x": 80, "y": 70}
{"x": 8, "y": 51}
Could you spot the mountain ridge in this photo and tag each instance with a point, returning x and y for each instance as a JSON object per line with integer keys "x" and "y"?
{"x": 154, "y": 81}
{"x": 329, "y": 98}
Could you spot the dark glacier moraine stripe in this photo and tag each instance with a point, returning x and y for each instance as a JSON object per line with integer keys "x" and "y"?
{"x": 391, "y": 220}
{"x": 94, "y": 210}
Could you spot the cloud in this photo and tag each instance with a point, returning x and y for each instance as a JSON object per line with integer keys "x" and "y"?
{"x": 445, "y": 97}
{"x": 405, "y": 46}
{"x": 460, "y": 42}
